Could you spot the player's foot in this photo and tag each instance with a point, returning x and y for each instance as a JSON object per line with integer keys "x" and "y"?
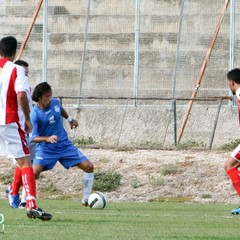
{"x": 22, "y": 205}
{"x": 38, "y": 213}
{"x": 236, "y": 211}
{"x": 84, "y": 203}
{"x": 12, "y": 199}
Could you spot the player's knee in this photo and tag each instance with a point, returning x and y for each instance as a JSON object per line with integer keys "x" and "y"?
{"x": 231, "y": 163}
{"x": 36, "y": 173}
{"x": 226, "y": 167}
{"x": 88, "y": 167}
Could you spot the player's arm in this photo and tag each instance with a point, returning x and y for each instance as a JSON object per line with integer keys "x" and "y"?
{"x": 23, "y": 102}
{"x": 73, "y": 122}
{"x": 50, "y": 139}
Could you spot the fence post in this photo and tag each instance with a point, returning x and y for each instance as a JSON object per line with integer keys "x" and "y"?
{"x": 136, "y": 51}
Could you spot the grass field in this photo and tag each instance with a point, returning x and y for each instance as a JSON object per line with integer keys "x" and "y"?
{"x": 123, "y": 221}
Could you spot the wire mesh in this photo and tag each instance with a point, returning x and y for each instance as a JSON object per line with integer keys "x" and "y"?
{"x": 91, "y": 45}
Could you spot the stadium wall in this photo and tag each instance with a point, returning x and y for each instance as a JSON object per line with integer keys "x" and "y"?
{"x": 109, "y": 66}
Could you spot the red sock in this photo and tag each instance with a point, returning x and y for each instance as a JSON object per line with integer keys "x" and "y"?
{"x": 29, "y": 183}
{"x": 17, "y": 181}
{"x": 234, "y": 175}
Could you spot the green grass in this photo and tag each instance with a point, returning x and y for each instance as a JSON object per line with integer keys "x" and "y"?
{"x": 123, "y": 221}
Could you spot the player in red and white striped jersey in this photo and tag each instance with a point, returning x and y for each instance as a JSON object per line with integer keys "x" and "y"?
{"x": 13, "y": 87}
{"x": 233, "y": 163}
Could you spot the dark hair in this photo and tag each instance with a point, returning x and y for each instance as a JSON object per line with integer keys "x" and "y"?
{"x": 21, "y": 63}
{"x": 8, "y": 46}
{"x": 39, "y": 90}
{"x": 234, "y": 75}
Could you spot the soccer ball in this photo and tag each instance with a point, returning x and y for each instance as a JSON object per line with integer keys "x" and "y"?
{"x": 97, "y": 200}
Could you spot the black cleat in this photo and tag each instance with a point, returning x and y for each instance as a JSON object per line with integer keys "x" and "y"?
{"x": 38, "y": 213}
{"x": 22, "y": 205}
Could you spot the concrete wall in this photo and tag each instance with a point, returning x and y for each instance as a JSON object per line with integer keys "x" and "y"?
{"x": 154, "y": 126}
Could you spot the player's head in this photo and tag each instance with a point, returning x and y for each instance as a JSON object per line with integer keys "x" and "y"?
{"x": 8, "y": 47}
{"x": 233, "y": 77}
{"x": 42, "y": 94}
{"x": 24, "y": 64}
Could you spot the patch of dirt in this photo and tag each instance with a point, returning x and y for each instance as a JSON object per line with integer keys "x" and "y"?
{"x": 200, "y": 175}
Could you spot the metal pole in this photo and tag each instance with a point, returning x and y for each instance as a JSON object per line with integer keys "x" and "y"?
{"x": 84, "y": 50}
{"x": 232, "y": 42}
{"x": 45, "y": 41}
{"x": 215, "y": 123}
{"x": 175, "y": 121}
{"x": 178, "y": 47}
{"x": 136, "y": 52}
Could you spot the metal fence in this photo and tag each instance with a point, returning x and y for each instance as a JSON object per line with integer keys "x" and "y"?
{"x": 122, "y": 48}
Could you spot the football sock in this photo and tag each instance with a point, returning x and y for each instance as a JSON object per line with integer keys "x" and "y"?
{"x": 29, "y": 184}
{"x": 17, "y": 181}
{"x": 88, "y": 183}
{"x": 23, "y": 197}
{"x": 233, "y": 173}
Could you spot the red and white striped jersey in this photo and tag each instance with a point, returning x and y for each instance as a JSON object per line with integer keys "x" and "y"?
{"x": 12, "y": 81}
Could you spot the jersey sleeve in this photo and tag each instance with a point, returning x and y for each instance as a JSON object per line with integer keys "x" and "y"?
{"x": 21, "y": 83}
{"x": 33, "y": 118}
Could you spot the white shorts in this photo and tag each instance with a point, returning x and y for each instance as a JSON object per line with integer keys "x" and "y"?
{"x": 13, "y": 143}
{"x": 236, "y": 153}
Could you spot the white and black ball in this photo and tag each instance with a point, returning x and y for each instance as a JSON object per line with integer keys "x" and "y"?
{"x": 97, "y": 200}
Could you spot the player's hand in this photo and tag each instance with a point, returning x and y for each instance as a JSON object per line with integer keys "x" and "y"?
{"x": 28, "y": 127}
{"x": 52, "y": 139}
{"x": 73, "y": 124}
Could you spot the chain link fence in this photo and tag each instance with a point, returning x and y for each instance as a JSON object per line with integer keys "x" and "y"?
{"x": 92, "y": 46}
{"x": 121, "y": 52}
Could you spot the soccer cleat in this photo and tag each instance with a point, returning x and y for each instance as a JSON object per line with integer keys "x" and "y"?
{"x": 22, "y": 205}
{"x": 236, "y": 211}
{"x": 38, "y": 213}
{"x": 84, "y": 203}
{"x": 12, "y": 199}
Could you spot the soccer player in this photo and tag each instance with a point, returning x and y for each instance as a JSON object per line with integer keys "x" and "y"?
{"x": 233, "y": 163}
{"x": 13, "y": 189}
{"x": 52, "y": 140}
{"x": 13, "y": 88}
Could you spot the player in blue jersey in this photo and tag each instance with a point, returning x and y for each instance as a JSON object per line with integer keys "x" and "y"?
{"x": 52, "y": 140}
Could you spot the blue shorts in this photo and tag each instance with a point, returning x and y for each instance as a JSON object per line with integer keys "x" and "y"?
{"x": 68, "y": 155}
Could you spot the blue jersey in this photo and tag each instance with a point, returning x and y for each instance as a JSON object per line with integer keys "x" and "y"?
{"x": 47, "y": 122}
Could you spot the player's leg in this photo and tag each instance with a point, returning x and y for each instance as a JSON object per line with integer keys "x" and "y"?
{"x": 231, "y": 168}
{"x": 88, "y": 178}
{"x": 13, "y": 189}
{"x": 72, "y": 156}
{"x": 37, "y": 168}
{"x": 29, "y": 183}
{"x": 23, "y": 203}
{"x": 18, "y": 149}
{"x": 32, "y": 149}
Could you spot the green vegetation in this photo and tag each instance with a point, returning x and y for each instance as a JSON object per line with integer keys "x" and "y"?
{"x": 49, "y": 191}
{"x": 156, "y": 181}
{"x": 106, "y": 181}
{"x": 231, "y": 145}
{"x": 168, "y": 169}
{"x": 83, "y": 141}
{"x": 151, "y": 145}
{"x": 134, "y": 221}
{"x": 7, "y": 178}
{"x": 190, "y": 144}
{"x": 179, "y": 199}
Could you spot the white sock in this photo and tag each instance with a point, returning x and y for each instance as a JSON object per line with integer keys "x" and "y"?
{"x": 87, "y": 183}
{"x": 23, "y": 198}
